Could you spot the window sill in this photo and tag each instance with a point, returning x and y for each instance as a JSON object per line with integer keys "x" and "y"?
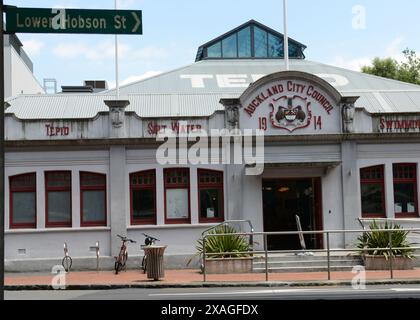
{"x": 397, "y": 218}
{"x": 407, "y": 216}
{"x": 52, "y": 230}
{"x": 172, "y": 226}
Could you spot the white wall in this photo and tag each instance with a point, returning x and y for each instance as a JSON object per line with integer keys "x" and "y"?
{"x": 22, "y": 79}
{"x": 387, "y": 154}
{"x": 43, "y": 244}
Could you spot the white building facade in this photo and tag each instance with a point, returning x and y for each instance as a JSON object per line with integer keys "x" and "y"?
{"x": 339, "y": 147}
{"x": 18, "y": 69}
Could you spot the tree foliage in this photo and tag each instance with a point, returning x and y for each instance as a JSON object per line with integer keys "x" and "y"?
{"x": 407, "y": 70}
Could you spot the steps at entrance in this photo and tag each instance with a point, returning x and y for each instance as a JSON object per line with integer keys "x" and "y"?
{"x": 308, "y": 263}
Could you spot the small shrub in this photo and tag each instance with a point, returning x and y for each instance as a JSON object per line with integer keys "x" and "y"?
{"x": 227, "y": 243}
{"x": 380, "y": 239}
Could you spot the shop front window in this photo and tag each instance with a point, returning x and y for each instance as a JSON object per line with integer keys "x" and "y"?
{"x": 210, "y": 188}
{"x": 143, "y": 197}
{"x": 177, "y": 195}
{"x": 93, "y": 199}
{"x": 405, "y": 190}
{"x": 372, "y": 191}
{"x": 58, "y": 199}
{"x": 23, "y": 201}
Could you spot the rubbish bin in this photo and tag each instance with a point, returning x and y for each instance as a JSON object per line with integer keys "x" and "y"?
{"x": 154, "y": 261}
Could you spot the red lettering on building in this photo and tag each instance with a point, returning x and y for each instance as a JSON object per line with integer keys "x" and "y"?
{"x": 390, "y": 125}
{"x": 178, "y": 127}
{"x": 52, "y": 131}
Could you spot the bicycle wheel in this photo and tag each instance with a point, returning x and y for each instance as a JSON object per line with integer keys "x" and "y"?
{"x": 66, "y": 263}
{"x": 144, "y": 264}
{"x": 124, "y": 261}
{"x": 117, "y": 267}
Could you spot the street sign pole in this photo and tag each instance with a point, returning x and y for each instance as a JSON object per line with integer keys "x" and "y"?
{"x": 117, "y": 84}
{"x": 1, "y": 153}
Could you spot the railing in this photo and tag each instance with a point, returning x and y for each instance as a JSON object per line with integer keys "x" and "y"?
{"x": 327, "y": 250}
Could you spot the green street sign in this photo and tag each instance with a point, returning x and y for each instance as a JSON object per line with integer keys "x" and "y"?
{"x": 43, "y": 20}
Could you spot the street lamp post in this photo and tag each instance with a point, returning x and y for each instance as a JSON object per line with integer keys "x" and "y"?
{"x": 1, "y": 153}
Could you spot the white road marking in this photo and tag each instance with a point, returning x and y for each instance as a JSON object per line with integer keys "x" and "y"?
{"x": 273, "y": 291}
{"x": 405, "y": 289}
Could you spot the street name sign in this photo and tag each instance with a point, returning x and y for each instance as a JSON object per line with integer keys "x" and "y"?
{"x": 55, "y": 20}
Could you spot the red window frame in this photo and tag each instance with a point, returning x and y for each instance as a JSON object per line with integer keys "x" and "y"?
{"x": 142, "y": 186}
{"x": 98, "y": 187}
{"x": 211, "y": 185}
{"x": 12, "y": 190}
{"x": 171, "y": 185}
{"x": 63, "y": 188}
{"x": 374, "y": 180}
{"x": 412, "y": 180}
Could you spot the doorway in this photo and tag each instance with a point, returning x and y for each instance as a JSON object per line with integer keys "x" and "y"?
{"x": 283, "y": 199}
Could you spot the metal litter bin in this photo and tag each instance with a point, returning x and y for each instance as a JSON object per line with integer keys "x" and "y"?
{"x": 154, "y": 261}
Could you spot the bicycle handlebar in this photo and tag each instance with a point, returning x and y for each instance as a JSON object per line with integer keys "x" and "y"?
{"x": 150, "y": 237}
{"x": 126, "y": 239}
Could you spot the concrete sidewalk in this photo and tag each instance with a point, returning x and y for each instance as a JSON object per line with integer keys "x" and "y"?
{"x": 193, "y": 278}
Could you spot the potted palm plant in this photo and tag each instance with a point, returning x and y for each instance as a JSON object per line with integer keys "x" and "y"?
{"x": 379, "y": 259}
{"x": 239, "y": 260}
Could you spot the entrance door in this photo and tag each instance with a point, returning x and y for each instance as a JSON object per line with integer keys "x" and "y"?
{"x": 283, "y": 199}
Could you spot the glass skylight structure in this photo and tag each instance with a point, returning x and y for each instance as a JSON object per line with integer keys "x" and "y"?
{"x": 251, "y": 40}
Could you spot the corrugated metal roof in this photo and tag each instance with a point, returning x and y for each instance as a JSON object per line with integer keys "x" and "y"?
{"x": 32, "y": 107}
{"x": 172, "y": 94}
{"x": 171, "y": 82}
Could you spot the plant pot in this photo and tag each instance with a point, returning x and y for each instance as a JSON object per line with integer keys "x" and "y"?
{"x": 373, "y": 262}
{"x": 229, "y": 265}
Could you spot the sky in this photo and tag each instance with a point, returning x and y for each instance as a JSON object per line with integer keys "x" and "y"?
{"x": 345, "y": 33}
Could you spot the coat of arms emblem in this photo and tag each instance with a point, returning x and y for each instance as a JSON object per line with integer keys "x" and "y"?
{"x": 290, "y": 113}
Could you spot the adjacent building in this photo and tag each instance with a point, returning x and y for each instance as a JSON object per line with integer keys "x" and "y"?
{"x": 18, "y": 69}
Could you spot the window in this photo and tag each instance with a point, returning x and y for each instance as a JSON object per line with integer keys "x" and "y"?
{"x": 58, "y": 198}
{"x": 372, "y": 191}
{"x": 244, "y": 43}
{"x": 229, "y": 47}
{"x": 92, "y": 199}
{"x": 260, "y": 43}
{"x": 210, "y": 188}
{"x": 275, "y": 47}
{"x": 215, "y": 51}
{"x": 405, "y": 189}
{"x": 143, "y": 197}
{"x": 22, "y": 201}
{"x": 177, "y": 195}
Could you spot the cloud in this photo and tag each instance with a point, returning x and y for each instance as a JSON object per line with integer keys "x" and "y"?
{"x": 149, "y": 53}
{"x": 106, "y": 50}
{"x": 32, "y": 46}
{"x": 351, "y": 64}
{"x": 134, "y": 78}
{"x": 392, "y": 50}
{"x": 99, "y": 52}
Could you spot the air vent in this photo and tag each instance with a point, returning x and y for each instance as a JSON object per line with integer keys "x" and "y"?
{"x": 76, "y": 89}
{"x": 97, "y": 85}
{"x": 22, "y": 251}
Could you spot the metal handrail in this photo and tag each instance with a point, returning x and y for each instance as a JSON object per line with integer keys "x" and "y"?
{"x": 328, "y": 250}
{"x": 227, "y": 222}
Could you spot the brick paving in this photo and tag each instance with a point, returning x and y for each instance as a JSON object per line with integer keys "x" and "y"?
{"x": 188, "y": 276}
